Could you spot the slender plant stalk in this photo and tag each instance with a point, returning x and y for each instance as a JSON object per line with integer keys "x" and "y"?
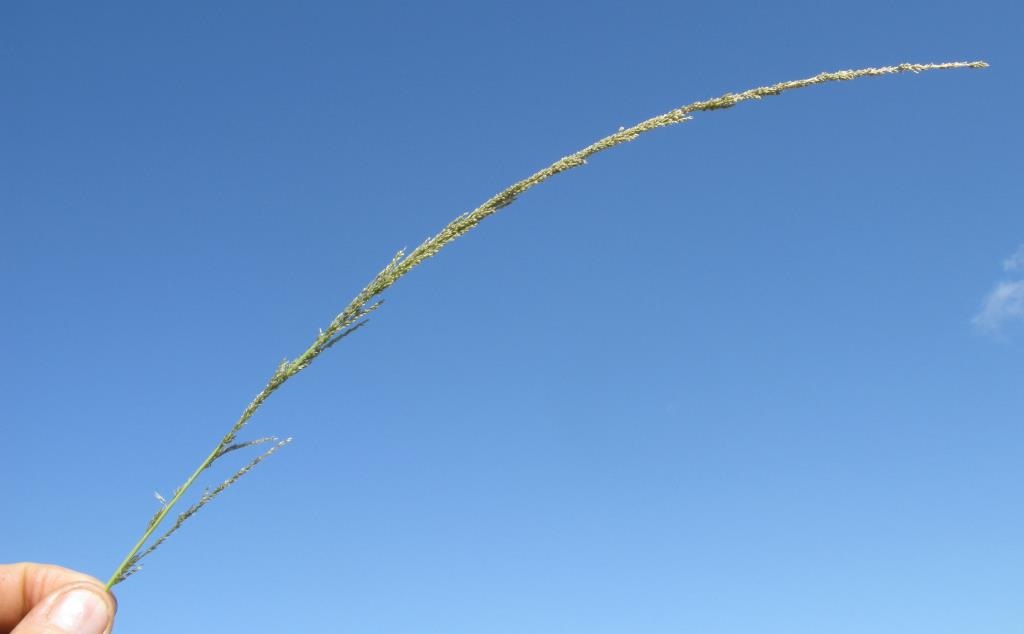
{"x": 354, "y": 315}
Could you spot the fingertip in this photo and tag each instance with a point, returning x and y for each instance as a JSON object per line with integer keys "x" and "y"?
{"x": 83, "y": 608}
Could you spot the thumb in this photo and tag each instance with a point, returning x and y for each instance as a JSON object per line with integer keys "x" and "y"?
{"x": 76, "y": 608}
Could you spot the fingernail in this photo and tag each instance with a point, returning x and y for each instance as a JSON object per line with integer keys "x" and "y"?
{"x": 80, "y": 611}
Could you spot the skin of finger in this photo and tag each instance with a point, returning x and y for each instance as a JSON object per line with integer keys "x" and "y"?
{"x": 38, "y": 620}
{"x": 24, "y": 585}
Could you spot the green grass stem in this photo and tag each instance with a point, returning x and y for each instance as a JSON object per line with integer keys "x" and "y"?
{"x": 354, "y": 315}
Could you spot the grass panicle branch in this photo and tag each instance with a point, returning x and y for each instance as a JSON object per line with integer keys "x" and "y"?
{"x": 132, "y": 564}
{"x": 355, "y": 314}
{"x": 208, "y": 495}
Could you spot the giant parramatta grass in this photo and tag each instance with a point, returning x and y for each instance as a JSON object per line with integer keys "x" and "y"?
{"x": 354, "y": 316}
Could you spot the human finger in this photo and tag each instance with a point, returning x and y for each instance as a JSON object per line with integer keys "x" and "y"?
{"x": 41, "y": 598}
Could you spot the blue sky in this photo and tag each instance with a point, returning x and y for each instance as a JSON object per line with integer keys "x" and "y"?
{"x": 759, "y": 372}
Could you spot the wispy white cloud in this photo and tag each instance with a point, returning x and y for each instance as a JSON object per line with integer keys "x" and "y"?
{"x": 1016, "y": 261}
{"x": 1004, "y": 304}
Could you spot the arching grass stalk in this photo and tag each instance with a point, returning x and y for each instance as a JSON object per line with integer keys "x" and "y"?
{"x": 354, "y": 315}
